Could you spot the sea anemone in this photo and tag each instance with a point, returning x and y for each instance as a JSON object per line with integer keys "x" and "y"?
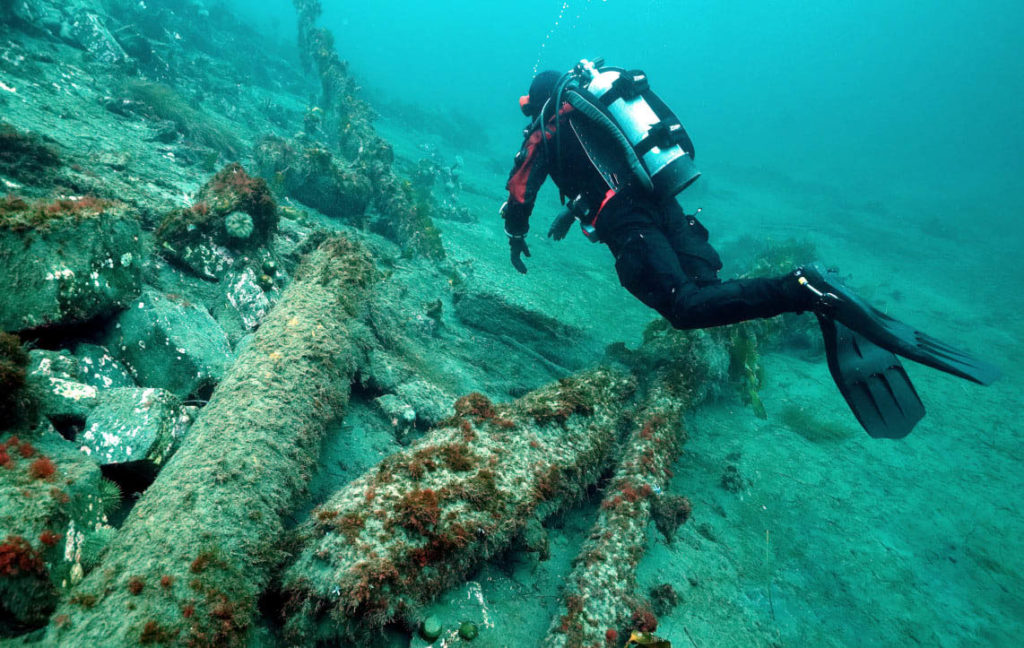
{"x": 238, "y": 225}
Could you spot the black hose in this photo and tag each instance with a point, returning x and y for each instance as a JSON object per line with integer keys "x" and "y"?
{"x": 589, "y": 110}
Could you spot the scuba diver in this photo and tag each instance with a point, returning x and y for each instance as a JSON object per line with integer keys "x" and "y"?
{"x": 619, "y": 157}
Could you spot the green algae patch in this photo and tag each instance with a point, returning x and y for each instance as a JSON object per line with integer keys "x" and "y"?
{"x": 163, "y": 102}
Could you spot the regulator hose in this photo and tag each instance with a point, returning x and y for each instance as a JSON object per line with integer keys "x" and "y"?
{"x": 592, "y": 112}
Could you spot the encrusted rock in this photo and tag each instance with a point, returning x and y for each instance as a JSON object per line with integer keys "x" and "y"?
{"x": 398, "y": 412}
{"x": 54, "y": 379}
{"x": 171, "y": 343}
{"x": 65, "y": 262}
{"x": 430, "y": 404}
{"x": 555, "y": 343}
{"x": 247, "y": 297}
{"x": 207, "y": 237}
{"x": 49, "y": 496}
{"x": 97, "y": 367}
{"x": 131, "y": 425}
{"x": 313, "y": 177}
{"x": 384, "y": 371}
{"x": 87, "y": 29}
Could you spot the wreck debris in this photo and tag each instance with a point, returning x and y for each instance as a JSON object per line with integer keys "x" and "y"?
{"x": 600, "y": 599}
{"x": 390, "y": 541}
{"x": 405, "y": 219}
{"x": 195, "y": 553}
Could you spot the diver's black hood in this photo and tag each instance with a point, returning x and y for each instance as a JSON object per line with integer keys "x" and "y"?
{"x": 540, "y": 91}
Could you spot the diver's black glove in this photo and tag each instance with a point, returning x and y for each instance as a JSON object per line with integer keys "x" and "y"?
{"x": 517, "y": 246}
{"x": 560, "y": 226}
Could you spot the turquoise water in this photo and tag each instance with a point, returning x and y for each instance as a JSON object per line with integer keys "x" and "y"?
{"x": 888, "y": 100}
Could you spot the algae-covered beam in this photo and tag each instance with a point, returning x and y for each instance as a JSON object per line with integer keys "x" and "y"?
{"x": 599, "y": 602}
{"x": 392, "y": 540}
{"x": 195, "y": 553}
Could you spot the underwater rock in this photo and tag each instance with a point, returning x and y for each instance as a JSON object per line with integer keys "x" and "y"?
{"x": 207, "y": 237}
{"x": 171, "y": 343}
{"x": 459, "y": 495}
{"x": 430, "y": 403}
{"x": 204, "y": 536}
{"x": 384, "y": 371}
{"x": 54, "y": 379}
{"x": 247, "y": 297}
{"x": 13, "y": 371}
{"x": 79, "y": 22}
{"x": 41, "y": 13}
{"x": 98, "y": 367}
{"x": 86, "y": 28}
{"x": 558, "y": 345}
{"x": 401, "y": 415}
{"x": 49, "y": 496}
{"x": 130, "y": 425}
{"x": 310, "y": 175}
{"x": 600, "y": 594}
{"x": 66, "y": 262}
{"x": 27, "y": 157}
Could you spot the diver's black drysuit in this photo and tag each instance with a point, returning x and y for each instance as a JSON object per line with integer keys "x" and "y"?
{"x": 662, "y": 255}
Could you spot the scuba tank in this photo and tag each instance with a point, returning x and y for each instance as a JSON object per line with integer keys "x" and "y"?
{"x": 638, "y": 140}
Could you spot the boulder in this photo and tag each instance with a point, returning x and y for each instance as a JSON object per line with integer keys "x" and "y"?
{"x": 66, "y": 262}
{"x": 555, "y": 344}
{"x": 131, "y": 425}
{"x": 431, "y": 404}
{"x": 311, "y": 175}
{"x": 85, "y": 28}
{"x": 53, "y": 378}
{"x": 232, "y": 216}
{"x": 98, "y": 368}
{"x": 49, "y": 499}
{"x": 246, "y": 296}
{"x": 171, "y": 343}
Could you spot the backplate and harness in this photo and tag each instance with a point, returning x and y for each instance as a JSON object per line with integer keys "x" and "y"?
{"x": 633, "y": 139}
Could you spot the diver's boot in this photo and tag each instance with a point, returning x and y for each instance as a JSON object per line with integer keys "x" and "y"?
{"x": 830, "y": 299}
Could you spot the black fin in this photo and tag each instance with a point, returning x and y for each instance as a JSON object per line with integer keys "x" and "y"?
{"x": 838, "y": 302}
{"x": 873, "y": 382}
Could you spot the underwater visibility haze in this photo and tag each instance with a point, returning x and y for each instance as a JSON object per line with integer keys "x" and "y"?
{"x": 290, "y": 357}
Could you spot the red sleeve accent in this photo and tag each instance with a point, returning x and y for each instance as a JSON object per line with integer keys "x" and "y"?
{"x": 517, "y": 181}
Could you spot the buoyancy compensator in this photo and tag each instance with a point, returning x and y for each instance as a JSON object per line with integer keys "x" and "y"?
{"x": 627, "y": 131}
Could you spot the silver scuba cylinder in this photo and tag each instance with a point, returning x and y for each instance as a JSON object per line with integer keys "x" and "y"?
{"x": 654, "y": 132}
